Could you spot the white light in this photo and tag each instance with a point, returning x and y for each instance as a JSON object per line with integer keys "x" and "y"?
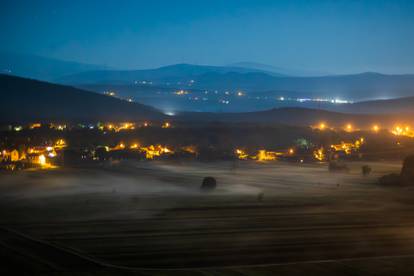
{"x": 339, "y": 101}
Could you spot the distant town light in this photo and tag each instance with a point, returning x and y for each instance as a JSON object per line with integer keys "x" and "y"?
{"x": 35, "y": 125}
{"x": 110, "y": 93}
{"x": 18, "y": 128}
{"x": 181, "y": 92}
{"x": 134, "y": 146}
{"x": 339, "y": 101}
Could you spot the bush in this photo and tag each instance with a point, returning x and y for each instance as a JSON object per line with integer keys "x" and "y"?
{"x": 390, "y": 179}
{"x": 407, "y": 172}
{"x": 336, "y": 166}
{"x": 209, "y": 184}
{"x": 366, "y": 170}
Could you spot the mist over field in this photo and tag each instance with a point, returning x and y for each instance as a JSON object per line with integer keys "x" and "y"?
{"x": 132, "y": 184}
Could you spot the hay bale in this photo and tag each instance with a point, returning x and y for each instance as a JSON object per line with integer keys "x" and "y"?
{"x": 366, "y": 170}
{"x": 390, "y": 180}
{"x": 407, "y": 172}
{"x": 209, "y": 184}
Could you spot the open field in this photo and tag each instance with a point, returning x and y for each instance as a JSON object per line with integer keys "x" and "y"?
{"x": 263, "y": 219}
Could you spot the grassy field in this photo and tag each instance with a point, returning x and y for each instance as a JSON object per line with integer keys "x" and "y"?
{"x": 263, "y": 219}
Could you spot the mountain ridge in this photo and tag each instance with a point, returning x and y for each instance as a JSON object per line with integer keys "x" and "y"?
{"x": 32, "y": 100}
{"x": 353, "y": 87}
{"x": 182, "y": 71}
{"x": 39, "y": 67}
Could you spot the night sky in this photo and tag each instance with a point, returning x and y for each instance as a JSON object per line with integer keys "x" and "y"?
{"x": 321, "y": 36}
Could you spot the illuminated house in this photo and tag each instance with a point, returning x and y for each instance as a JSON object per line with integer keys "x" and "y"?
{"x": 14, "y": 156}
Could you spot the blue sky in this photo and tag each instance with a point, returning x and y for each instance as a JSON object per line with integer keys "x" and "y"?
{"x": 322, "y": 36}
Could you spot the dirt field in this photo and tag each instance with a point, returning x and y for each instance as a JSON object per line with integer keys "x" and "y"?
{"x": 263, "y": 219}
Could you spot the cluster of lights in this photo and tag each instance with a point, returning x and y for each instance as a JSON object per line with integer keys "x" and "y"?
{"x": 348, "y": 147}
{"x": 143, "y": 82}
{"x": 120, "y": 127}
{"x": 155, "y": 151}
{"x": 403, "y": 131}
{"x": 101, "y": 126}
{"x": 302, "y": 100}
{"x": 39, "y": 125}
{"x": 113, "y": 94}
{"x": 224, "y": 101}
{"x": 39, "y": 155}
{"x": 58, "y": 126}
{"x": 126, "y": 126}
{"x": 262, "y": 155}
{"x": 181, "y": 92}
{"x": 35, "y": 125}
{"x": 151, "y": 151}
{"x": 110, "y": 93}
{"x": 397, "y": 130}
{"x": 241, "y": 154}
{"x": 319, "y": 154}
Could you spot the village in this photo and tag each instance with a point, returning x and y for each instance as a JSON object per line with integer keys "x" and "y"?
{"x": 50, "y": 145}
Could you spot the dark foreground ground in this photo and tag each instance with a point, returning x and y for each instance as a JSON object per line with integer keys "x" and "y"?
{"x": 152, "y": 219}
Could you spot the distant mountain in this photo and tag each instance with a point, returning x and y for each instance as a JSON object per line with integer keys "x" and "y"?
{"x": 365, "y": 86}
{"x": 296, "y": 116}
{"x": 164, "y": 98}
{"x": 175, "y": 74}
{"x": 26, "y": 100}
{"x": 40, "y": 68}
{"x": 357, "y": 87}
{"x": 277, "y": 70}
{"x": 400, "y": 105}
{"x": 30, "y": 100}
